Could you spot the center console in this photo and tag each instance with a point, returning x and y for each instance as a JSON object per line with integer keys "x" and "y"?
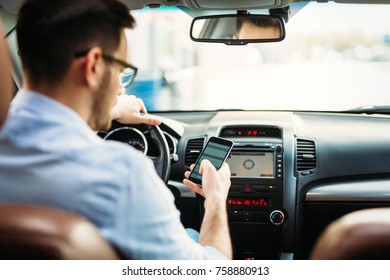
{"x": 255, "y": 200}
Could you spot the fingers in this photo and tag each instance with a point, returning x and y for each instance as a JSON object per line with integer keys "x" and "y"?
{"x": 216, "y": 183}
{"x": 225, "y": 168}
{"x": 131, "y": 110}
{"x": 143, "y": 118}
{"x": 194, "y": 187}
{"x": 191, "y": 185}
{"x": 205, "y": 164}
{"x": 149, "y": 120}
{"x": 139, "y": 103}
{"x": 187, "y": 173}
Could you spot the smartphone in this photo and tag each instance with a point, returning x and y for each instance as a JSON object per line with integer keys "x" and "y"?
{"x": 216, "y": 151}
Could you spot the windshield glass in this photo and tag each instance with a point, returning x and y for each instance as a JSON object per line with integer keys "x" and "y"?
{"x": 335, "y": 57}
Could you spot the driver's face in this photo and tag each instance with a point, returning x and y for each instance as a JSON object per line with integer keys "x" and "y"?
{"x": 251, "y": 31}
{"x": 110, "y": 88}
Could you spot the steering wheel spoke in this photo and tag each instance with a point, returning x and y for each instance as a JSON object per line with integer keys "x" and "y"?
{"x": 131, "y": 134}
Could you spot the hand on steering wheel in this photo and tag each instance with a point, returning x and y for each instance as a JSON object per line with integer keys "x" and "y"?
{"x": 131, "y": 110}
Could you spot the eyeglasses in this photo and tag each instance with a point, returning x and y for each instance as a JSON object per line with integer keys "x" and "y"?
{"x": 128, "y": 71}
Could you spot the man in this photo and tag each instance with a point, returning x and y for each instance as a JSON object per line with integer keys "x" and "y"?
{"x": 128, "y": 109}
{"x": 73, "y": 52}
{"x": 249, "y": 28}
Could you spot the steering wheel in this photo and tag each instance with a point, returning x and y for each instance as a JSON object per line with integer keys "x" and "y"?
{"x": 162, "y": 162}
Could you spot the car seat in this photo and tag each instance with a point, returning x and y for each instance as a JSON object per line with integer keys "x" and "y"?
{"x": 34, "y": 232}
{"x": 6, "y": 84}
{"x": 359, "y": 235}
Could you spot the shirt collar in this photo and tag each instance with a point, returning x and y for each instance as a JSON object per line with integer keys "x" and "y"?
{"x": 44, "y": 107}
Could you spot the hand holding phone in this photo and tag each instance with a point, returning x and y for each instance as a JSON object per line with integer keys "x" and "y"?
{"x": 216, "y": 151}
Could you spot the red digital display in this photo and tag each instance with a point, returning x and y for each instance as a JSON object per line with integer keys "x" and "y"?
{"x": 251, "y": 131}
{"x": 247, "y": 132}
{"x": 258, "y": 202}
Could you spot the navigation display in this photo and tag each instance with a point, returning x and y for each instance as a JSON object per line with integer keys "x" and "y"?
{"x": 251, "y": 164}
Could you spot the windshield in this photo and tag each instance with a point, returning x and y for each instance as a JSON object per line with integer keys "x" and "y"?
{"x": 335, "y": 57}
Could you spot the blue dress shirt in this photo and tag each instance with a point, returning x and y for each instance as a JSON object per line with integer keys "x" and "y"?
{"x": 49, "y": 156}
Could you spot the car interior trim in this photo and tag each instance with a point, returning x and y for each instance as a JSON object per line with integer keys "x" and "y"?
{"x": 365, "y": 190}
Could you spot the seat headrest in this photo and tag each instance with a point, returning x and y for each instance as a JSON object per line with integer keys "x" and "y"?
{"x": 360, "y": 235}
{"x": 34, "y": 232}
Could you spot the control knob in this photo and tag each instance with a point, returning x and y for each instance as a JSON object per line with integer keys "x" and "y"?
{"x": 276, "y": 217}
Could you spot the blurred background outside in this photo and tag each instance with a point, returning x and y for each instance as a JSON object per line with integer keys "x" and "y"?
{"x": 335, "y": 57}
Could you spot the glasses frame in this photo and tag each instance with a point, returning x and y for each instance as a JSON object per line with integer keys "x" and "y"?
{"x": 121, "y": 62}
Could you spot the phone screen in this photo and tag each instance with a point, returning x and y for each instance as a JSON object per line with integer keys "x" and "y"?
{"x": 216, "y": 151}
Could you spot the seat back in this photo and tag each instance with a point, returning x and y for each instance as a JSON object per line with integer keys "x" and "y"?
{"x": 6, "y": 84}
{"x": 34, "y": 232}
{"x": 360, "y": 235}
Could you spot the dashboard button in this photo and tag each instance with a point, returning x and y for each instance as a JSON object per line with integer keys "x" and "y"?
{"x": 247, "y": 216}
{"x": 265, "y": 188}
{"x": 235, "y": 216}
{"x": 277, "y": 217}
{"x": 247, "y": 189}
{"x": 235, "y": 188}
{"x": 259, "y": 217}
{"x": 259, "y": 188}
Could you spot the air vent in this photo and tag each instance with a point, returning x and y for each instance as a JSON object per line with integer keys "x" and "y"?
{"x": 306, "y": 155}
{"x": 193, "y": 149}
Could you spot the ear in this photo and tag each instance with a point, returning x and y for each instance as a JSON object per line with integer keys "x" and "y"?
{"x": 94, "y": 67}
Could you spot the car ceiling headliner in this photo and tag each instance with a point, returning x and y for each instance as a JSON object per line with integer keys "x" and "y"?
{"x": 12, "y": 6}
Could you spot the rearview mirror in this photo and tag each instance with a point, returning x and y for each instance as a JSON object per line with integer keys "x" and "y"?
{"x": 238, "y": 29}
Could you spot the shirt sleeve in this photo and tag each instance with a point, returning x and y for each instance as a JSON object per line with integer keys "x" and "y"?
{"x": 148, "y": 223}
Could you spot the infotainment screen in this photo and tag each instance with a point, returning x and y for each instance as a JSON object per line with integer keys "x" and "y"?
{"x": 251, "y": 164}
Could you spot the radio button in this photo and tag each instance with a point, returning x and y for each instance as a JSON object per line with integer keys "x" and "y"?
{"x": 240, "y": 216}
{"x": 247, "y": 216}
{"x": 259, "y": 188}
{"x": 235, "y": 216}
{"x": 265, "y": 188}
{"x": 259, "y": 217}
{"x": 235, "y": 188}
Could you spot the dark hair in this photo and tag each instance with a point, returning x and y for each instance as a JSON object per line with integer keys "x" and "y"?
{"x": 49, "y": 32}
{"x": 262, "y": 22}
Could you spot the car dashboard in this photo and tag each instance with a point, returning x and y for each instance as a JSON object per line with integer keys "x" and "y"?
{"x": 292, "y": 172}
